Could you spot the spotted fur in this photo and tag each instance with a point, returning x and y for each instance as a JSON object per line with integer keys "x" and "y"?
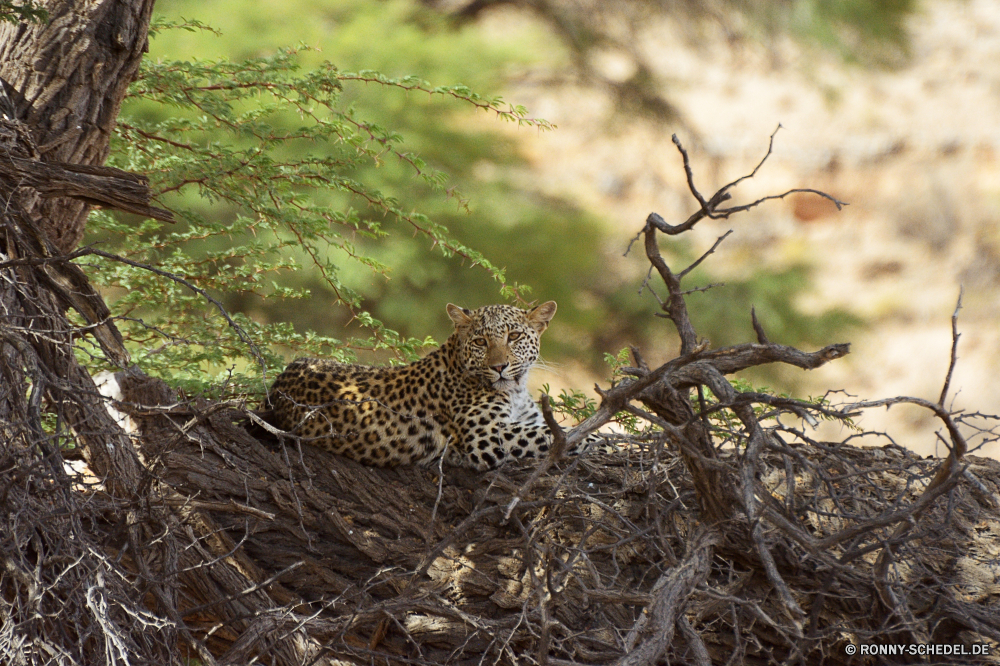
{"x": 467, "y": 400}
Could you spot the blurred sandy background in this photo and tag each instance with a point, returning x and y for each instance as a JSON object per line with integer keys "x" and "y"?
{"x": 913, "y": 150}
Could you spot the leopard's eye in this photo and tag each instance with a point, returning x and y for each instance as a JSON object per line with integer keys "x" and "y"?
{"x": 479, "y": 342}
{"x": 514, "y": 335}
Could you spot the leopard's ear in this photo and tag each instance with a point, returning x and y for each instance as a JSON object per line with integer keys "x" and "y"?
{"x": 461, "y": 316}
{"x": 540, "y": 316}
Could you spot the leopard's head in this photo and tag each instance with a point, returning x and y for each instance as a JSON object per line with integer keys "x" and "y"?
{"x": 498, "y": 344}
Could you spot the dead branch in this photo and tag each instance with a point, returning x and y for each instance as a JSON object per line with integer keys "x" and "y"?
{"x": 719, "y": 534}
{"x": 955, "y": 335}
{"x": 670, "y": 594}
{"x": 97, "y": 185}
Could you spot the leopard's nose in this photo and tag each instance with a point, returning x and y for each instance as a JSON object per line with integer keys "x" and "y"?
{"x": 500, "y": 368}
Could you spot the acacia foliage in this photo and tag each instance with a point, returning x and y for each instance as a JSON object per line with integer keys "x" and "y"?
{"x": 273, "y": 147}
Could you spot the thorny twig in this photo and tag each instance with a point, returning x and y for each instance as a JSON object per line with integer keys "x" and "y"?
{"x": 955, "y": 335}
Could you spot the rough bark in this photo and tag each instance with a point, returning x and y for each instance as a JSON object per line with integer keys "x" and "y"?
{"x": 67, "y": 79}
{"x": 62, "y": 86}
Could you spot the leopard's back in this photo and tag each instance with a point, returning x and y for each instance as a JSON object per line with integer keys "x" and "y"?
{"x": 467, "y": 401}
{"x": 375, "y": 415}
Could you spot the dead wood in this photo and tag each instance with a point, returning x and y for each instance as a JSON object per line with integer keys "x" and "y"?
{"x": 102, "y": 186}
{"x": 721, "y": 533}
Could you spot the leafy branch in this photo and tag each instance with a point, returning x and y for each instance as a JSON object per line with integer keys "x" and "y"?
{"x": 267, "y": 170}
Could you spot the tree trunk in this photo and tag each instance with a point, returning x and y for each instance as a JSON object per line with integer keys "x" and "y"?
{"x": 63, "y": 83}
{"x": 67, "y": 79}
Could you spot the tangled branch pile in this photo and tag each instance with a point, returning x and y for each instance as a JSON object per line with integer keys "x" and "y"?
{"x": 721, "y": 535}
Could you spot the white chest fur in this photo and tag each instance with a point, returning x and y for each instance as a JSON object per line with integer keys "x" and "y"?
{"x": 522, "y": 408}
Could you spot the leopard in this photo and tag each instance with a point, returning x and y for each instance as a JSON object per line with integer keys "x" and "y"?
{"x": 465, "y": 404}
